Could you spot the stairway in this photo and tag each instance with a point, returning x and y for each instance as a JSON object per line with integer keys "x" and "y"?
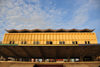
{"x": 47, "y": 65}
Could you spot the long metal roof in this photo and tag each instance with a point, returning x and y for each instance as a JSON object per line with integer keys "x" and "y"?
{"x": 48, "y": 30}
{"x": 49, "y": 51}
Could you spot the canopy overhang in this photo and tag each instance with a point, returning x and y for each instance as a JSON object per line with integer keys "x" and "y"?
{"x": 49, "y": 51}
{"x": 48, "y": 30}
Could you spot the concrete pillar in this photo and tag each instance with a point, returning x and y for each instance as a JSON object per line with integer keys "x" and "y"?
{"x": 29, "y": 59}
{"x": 34, "y": 60}
{"x": 55, "y": 59}
{"x": 43, "y": 60}
{"x": 6, "y": 58}
{"x": 23, "y": 59}
{"x": 68, "y": 59}
{"x": 81, "y": 58}
{"x": 17, "y": 59}
{"x": 94, "y": 58}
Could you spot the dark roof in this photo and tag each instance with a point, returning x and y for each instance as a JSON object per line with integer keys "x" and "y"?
{"x": 48, "y": 30}
{"x": 51, "y": 51}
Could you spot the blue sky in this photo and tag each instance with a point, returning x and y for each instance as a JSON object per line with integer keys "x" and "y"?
{"x": 54, "y": 14}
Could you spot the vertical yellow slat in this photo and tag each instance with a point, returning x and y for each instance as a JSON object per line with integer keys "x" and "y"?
{"x": 54, "y": 37}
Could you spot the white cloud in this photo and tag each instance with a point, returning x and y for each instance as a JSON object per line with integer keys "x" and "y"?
{"x": 80, "y": 16}
{"x": 28, "y": 14}
{"x": 19, "y": 15}
{"x": 95, "y": 4}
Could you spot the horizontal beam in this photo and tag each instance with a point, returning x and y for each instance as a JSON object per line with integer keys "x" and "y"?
{"x": 50, "y": 45}
{"x": 62, "y": 51}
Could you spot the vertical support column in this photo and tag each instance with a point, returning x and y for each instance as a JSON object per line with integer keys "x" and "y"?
{"x": 68, "y": 59}
{"x": 29, "y": 60}
{"x": 23, "y": 59}
{"x": 93, "y": 58}
{"x": 6, "y": 58}
{"x": 43, "y": 60}
{"x": 81, "y": 58}
{"x": 17, "y": 59}
{"x": 55, "y": 59}
{"x": 34, "y": 60}
{"x": 20, "y": 59}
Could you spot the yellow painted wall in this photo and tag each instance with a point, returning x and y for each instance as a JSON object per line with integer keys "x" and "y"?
{"x": 54, "y": 37}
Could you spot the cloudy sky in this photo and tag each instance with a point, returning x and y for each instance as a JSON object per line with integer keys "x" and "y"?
{"x": 54, "y": 14}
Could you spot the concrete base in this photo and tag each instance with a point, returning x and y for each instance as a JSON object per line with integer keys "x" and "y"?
{"x": 65, "y": 64}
